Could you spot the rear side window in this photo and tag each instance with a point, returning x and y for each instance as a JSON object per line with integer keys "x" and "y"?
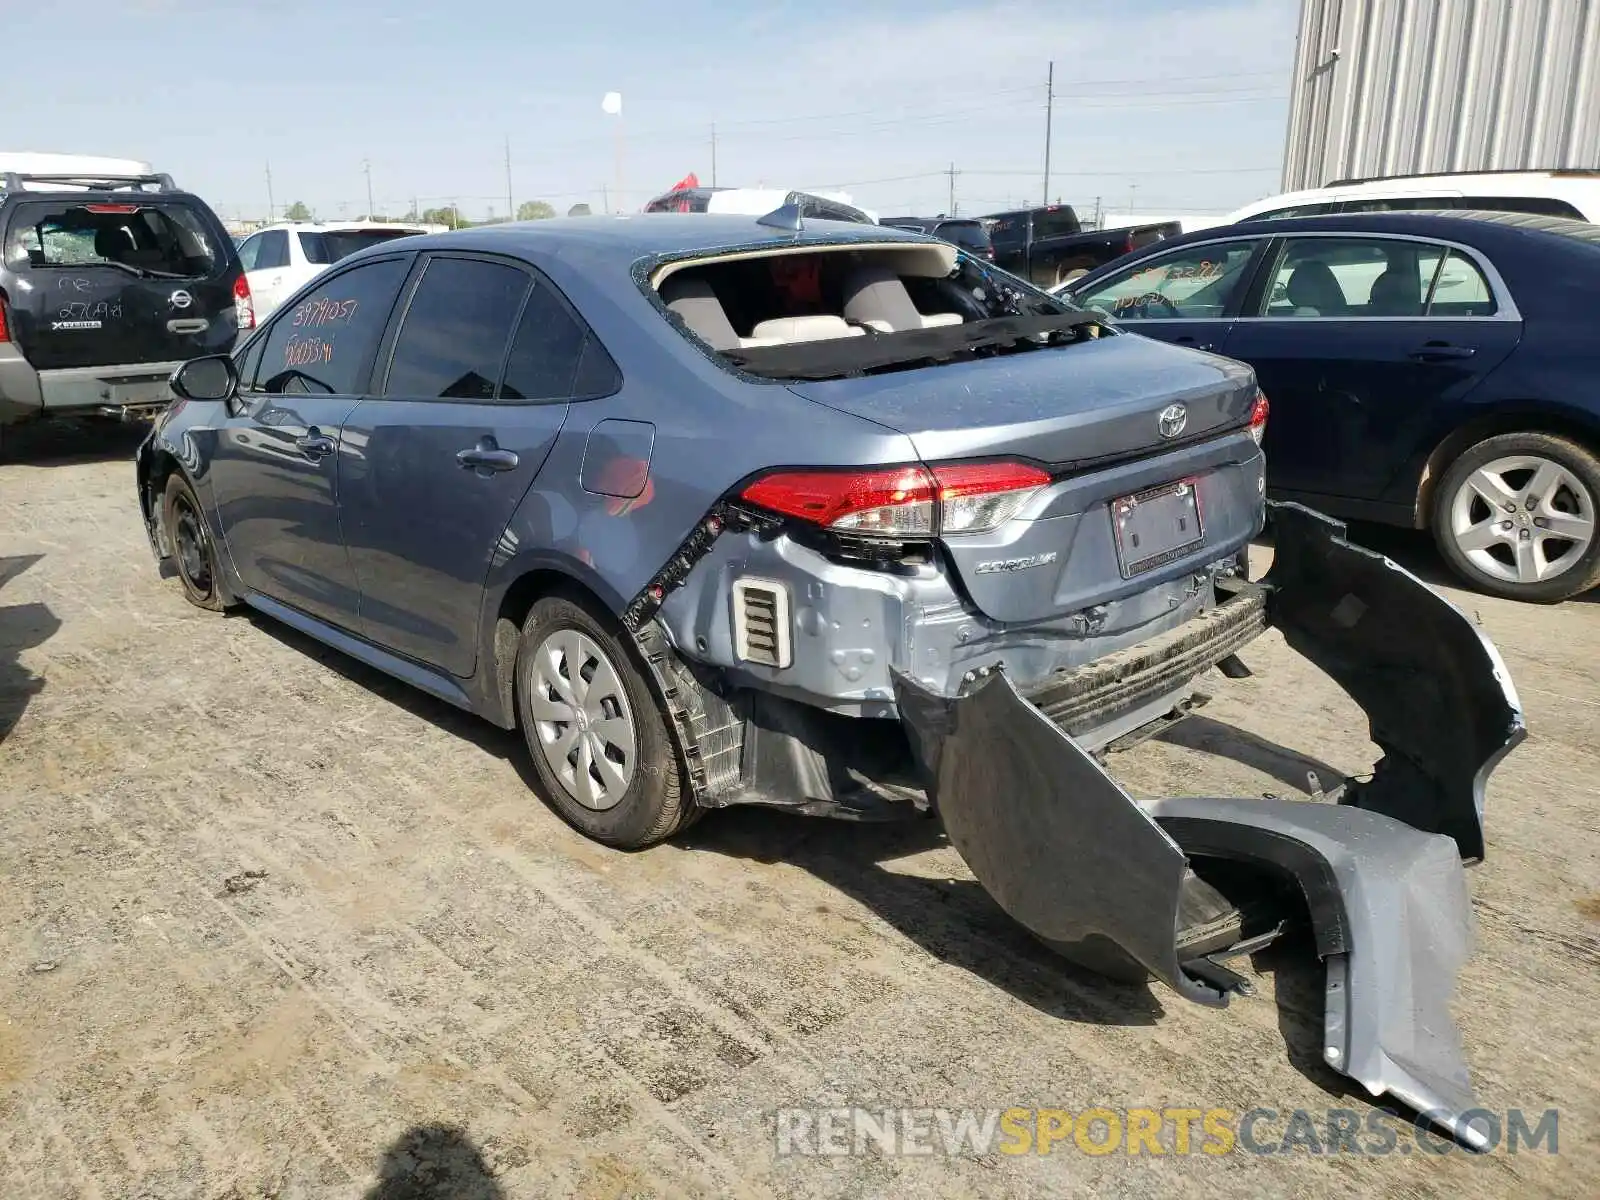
{"x": 968, "y": 234}
{"x": 274, "y": 251}
{"x": 330, "y": 246}
{"x": 1542, "y": 206}
{"x": 1398, "y": 204}
{"x": 453, "y": 340}
{"x": 548, "y": 349}
{"x": 1299, "y": 210}
{"x": 1055, "y": 222}
{"x": 324, "y": 345}
{"x": 171, "y": 239}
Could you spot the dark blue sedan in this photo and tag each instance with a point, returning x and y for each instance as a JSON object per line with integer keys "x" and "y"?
{"x": 1425, "y": 370}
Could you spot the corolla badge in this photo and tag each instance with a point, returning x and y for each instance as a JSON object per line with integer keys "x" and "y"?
{"x": 1171, "y": 420}
{"x": 180, "y": 299}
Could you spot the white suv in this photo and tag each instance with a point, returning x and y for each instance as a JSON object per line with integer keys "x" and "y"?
{"x": 279, "y": 258}
{"x": 1574, "y": 194}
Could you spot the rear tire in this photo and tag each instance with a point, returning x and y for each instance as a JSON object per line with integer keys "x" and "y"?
{"x": 599, "y": 742}
{"x": 193, "y": 551}
{"x": 1500, "y": 511}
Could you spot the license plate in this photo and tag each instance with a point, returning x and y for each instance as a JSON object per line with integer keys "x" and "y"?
{"x": 1156, "y": 526}
{"x": 141, "y": 391}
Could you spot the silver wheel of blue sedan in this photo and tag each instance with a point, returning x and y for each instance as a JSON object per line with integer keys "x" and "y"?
{"x": 582, "y": 719}
{"x": 1523, "y": 519}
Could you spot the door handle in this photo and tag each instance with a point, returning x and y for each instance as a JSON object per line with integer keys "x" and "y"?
{"x": 1189, "y": 341}
{"x": 314, "y": 444}
{"x": 486, "y": 456}
{"x": 1440, "y": 350}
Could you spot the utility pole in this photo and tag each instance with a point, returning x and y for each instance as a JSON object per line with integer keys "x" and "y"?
{"x": 713, "y": 154}
{"x": 272, "y": 209}
{"x": 366, "y": 167}
{"x": 511, "y": 212}
{"x": 605, "y": 198}
{"x": 952, "y": 173}
{"x": 1133, "y": 191}
{"x": 1049, "y": 111}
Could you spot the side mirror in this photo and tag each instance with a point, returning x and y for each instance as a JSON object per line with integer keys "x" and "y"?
{"x": 211, "y": 378}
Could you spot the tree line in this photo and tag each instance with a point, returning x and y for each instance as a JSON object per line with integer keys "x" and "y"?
{"x": 449, "y": 216}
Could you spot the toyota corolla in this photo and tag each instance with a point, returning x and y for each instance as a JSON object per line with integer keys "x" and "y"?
{"x": 837, "y": 518}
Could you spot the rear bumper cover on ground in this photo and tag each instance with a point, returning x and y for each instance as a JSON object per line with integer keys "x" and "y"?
{"x": 1380, "y": 872}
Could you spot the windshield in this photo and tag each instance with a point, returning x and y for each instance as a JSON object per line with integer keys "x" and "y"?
{"x": 332, "y": 245}
{"x": 169, "y": 239}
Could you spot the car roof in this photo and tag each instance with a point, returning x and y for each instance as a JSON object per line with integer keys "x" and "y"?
{"x": 1486, "y": 230}
{"x": 630, "y": 237}
{"x": 1554, "y": 184}
{"x": 1460, "y": 224}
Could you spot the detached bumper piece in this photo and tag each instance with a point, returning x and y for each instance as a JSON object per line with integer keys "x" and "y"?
{"x": 1111, "y": 882}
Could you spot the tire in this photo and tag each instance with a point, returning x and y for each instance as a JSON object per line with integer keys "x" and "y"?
{"x": 1517, "y": 552}
{"x": 193, "y": 551}
{"x": 638, "y": 795}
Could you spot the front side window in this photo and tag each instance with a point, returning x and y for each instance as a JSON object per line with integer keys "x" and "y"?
{"x": 1193, "y": 283}
{"x": 1374, "y": 277}
{"x": 1297, "y": 210}
{"x": 453, "y": 340}
{"x": 324, "y": 344}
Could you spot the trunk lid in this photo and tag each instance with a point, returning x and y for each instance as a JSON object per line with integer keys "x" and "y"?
{"x": 1068, "y": 407}
{"x": 1092, "y": 414}
{"x": 119, "y": 279}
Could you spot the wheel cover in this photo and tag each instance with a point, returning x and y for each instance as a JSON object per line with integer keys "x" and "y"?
{"x": 1522, "y": 519}
{"x": 193, "y": 552}
{"x": 582, "y": 720}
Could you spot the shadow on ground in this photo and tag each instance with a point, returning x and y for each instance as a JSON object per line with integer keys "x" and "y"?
{"x": 66, "y": 441}
{"x": 434, "y": 1162}
{"x": 22, "y": 627}
{"x": 954, "y": 920}
{"x": 1222, "y": 740}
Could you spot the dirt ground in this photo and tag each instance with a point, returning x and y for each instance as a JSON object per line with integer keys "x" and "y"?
{"x": 272, "y": 925}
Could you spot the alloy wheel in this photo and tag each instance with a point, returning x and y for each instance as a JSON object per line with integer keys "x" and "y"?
{"x": 581, "y": 716}
{"x": 1522, "y": 519}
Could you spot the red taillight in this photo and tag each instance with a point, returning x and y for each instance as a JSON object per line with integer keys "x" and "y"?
{"x": 111, "y": 208}
{"x": 901, "y": 502}
{"x": 5, "y": 329}
{"x": 1258, "y": 416}
{"x": 244, "y": 307}
{"x": 1127, "y": 245}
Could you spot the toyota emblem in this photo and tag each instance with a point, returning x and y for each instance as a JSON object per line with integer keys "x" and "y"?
{"x": 1172, "y": 420}
{"x": 182, "y": 299}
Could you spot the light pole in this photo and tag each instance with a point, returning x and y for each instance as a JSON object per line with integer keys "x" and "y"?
{"x": 611, "y": 104}
{"x": 366, "y": 167}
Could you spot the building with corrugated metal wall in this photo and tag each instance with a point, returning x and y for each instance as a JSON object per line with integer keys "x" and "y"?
{"x": 1402, "y": 87}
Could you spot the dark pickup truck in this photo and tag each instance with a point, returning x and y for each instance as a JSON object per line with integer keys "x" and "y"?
{"x": 1049, "y": 246}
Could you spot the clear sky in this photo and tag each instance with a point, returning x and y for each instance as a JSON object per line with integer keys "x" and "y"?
{"x": 1172, "y": 107}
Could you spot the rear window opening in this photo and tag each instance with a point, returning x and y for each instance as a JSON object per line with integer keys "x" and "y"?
{"x": 329, "y": 246}
{"x": 168, "y": 240}
{"x": 829, "y": 311}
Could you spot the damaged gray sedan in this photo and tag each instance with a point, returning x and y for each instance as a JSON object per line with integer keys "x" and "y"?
{"x": 837, "y": 519}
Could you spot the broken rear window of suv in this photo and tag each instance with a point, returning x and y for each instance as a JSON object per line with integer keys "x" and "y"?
{"x": 827, "y": 311}
{"x": 166, "y": 240}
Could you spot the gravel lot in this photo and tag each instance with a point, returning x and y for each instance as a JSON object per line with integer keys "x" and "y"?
{"x": 267, "y": 917}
